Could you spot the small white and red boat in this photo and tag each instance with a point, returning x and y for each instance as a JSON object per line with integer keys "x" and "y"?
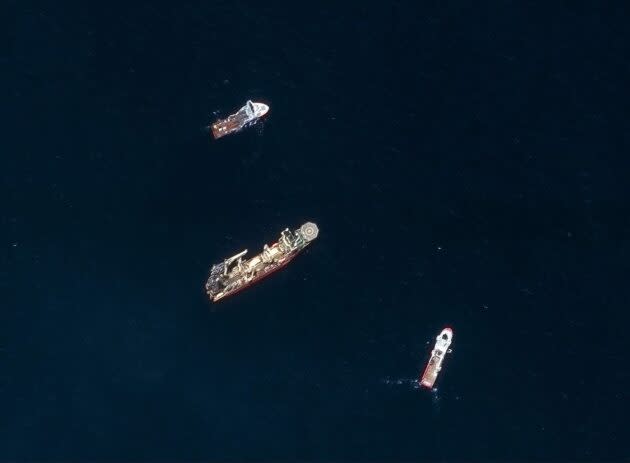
{"x": 441, "y": 348}
{"x": 236, "y": 122}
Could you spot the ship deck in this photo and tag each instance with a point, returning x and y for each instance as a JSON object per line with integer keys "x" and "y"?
{"x": 431, "y": 372}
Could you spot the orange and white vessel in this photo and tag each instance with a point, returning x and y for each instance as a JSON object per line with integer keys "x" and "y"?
{"x": 235, "y": 274}
{"x": 441, "y": 348}
{"x": 236, "y": 122}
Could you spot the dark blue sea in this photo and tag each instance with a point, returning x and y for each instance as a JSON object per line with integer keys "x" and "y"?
{"x": 467, "y": 166}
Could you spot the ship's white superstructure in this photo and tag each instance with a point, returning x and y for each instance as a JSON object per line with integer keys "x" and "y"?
{"x": 255, "y": 110}
{"x": 441, "y": 348}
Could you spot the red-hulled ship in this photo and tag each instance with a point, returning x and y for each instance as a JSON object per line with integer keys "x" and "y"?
{"x": 236, "y": 122}
{"x": 235, "y": 274}
{"x": 441, "y": 348}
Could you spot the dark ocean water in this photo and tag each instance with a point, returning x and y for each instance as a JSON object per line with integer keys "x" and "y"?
{"x": 466, "y": 163}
